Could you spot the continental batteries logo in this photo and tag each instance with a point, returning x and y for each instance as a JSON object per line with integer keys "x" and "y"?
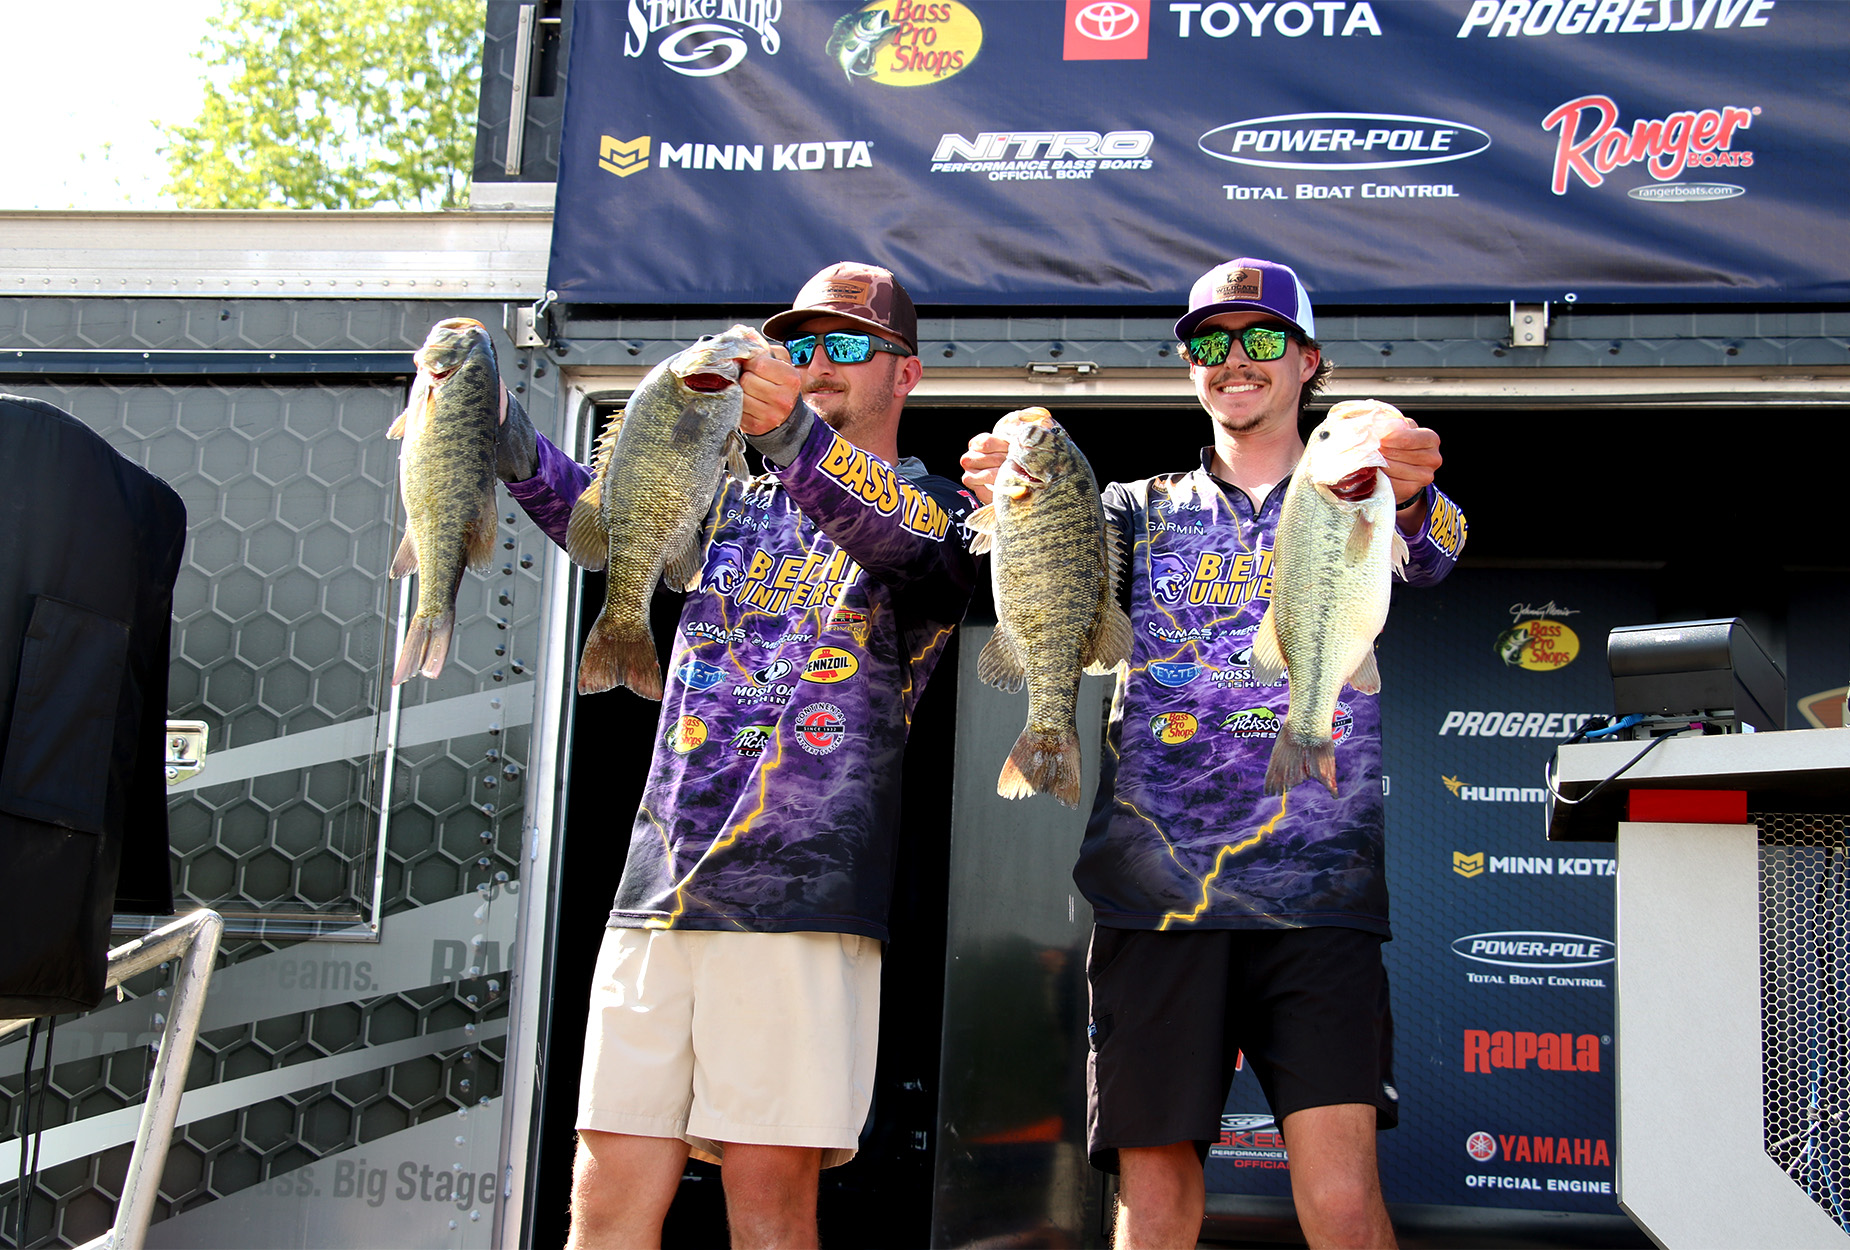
{"x": 828, "y": 665}
{"x": 1575, "y": 1152}
{"x": 1509, "y": 18}
{"x": 625, "y": 157}
{"x": 702, "y": 38}
{"x": 1042, "y": 155}
{"x": 1592, "y": 144}
{"x": 1487, "y": 1050}
{"x": 1476, "y": 863}
{"x": 1520, "y": 949}
{"x": 820, "y": 728}
{"x": 1343, "y": 141}
{"x": 906, "y": 43}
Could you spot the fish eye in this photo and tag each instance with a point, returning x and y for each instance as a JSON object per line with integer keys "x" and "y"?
{"x": 1323, "y": 433}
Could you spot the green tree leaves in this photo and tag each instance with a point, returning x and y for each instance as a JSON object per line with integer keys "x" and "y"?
{"x": 333, "y": 104}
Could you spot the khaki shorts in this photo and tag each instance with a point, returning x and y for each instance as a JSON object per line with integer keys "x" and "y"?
{"x": 715, "y": 1037}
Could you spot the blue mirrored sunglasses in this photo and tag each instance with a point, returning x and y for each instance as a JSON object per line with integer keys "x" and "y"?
{"x": 844, "y": 347}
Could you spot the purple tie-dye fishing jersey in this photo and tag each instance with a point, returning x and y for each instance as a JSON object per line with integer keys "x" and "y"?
{"x": 829, "y": 591}
{"x": 1181, "y": 835}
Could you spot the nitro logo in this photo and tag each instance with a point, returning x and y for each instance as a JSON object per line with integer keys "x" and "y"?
{"x": 1486, "y": 1051}
{"x": 1042, "y": 155}
{"x": 1592, "y": 145}
{"x": 709, "y": 36}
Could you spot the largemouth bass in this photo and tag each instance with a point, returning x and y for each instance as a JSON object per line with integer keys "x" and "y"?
{"x": 1333, "y": 563}
{"x": 643, "y": 519}
{"x": 1054, "y": 564}
{"x": 446, "y": 477}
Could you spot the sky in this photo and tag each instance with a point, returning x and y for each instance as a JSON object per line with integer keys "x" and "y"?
{"x": 81, "y": 129}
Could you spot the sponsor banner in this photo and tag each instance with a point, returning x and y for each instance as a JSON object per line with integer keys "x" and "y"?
{"x": 1642, "y": 150}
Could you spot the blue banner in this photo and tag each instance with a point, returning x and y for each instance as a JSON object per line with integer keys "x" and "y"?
{"x": 1105, "y": 152}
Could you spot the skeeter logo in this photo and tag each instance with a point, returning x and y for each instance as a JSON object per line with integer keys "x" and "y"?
{"x": 1691, "y": 139}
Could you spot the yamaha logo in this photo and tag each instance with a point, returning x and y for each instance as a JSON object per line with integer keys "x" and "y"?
{"x": 1107, "y": 20}
{"x": 1481, "y": 1146}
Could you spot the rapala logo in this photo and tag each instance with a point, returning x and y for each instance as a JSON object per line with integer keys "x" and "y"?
{"x": 1513, "y": 724}
{"x": 1516, "y": 949}
{"x": 1107, "y": 30}
{"x": 1043, "y": 155}
{"x": 1473, "y": 865}
{"x": 708, "y": 37}
{"x": 1573, "y": 1152}
{"x": 1343, "y": 141}
{"x": 1592, "y": 145}
{"x": 1494, "y": 794}
{"x": 1501, "y": 18}
{"x": 1486, "y": 1051}
{"x": 1293, "y": 20}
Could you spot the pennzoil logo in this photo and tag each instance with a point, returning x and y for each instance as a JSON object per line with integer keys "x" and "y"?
{"x": 623, "y": 157}
{"x": 828, "y": 665}
{"x": 751, "y": 741}
{"x": 703, "y": 38}
{"x": 687, "y": 734}
{"x": 1471, "y": 865}
{"x": 1172, "y": 728}
{"x": 820, "y": 728}
{"x": 905, "y": 43}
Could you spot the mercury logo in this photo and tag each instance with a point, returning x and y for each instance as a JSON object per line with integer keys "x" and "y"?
{"x": 1343, "y": 141}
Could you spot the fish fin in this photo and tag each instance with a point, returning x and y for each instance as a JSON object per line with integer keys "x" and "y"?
{"x": 619, "y": 656}
{"x": 1110, "y": 644}
{"x": 1367, "y": 676}
{"x": 1042, "y": 763}
{"x": 999, "y": 665}
{"x": 1361, "y": 538}
{"x": 1268, "y": 658}
{"x": 684, "y": 567}
{"x": 426, "y": 647}
{"x": 586, "y": 539}
{"x": 982, "y": 527}
{"x": 735, "y": 457}
{"x": 406, "y": 559}
{"x": 420, "y": 396}
{"x": 479, "y": 536}
{"x": 1293, "y": 761}
{"x": 605, "y": 448}
{"x": 1400, "y": 555}
{"x": 1114, "y": 560}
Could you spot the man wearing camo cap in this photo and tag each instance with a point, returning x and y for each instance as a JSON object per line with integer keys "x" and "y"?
{"x": 735, "y": 1008}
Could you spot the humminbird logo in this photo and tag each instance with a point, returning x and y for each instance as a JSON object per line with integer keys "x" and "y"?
{"x": 623, "y": 157}
{"x": 1343, "y": 141}
{"x": 1494, "y": 794}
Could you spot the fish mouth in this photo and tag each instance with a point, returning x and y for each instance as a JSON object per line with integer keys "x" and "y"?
{"x": 707, "y": 382}
{"x": 1355, "y": 487}
{"x": 1016, "y": 469}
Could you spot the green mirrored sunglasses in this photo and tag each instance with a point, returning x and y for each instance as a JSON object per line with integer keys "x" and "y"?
{"x": 1260, "y": 343}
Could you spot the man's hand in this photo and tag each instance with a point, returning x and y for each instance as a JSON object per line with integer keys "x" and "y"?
{"x": 1413, "y": 457}
{"x": 981, "y": 462}
{"x": 772, "y": 390}
{"x": 517, "y": 450}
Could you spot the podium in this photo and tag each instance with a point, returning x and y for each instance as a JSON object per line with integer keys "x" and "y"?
{"x": 1733, "y": 983}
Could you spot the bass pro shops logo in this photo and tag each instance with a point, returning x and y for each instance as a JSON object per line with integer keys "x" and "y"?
{"x": 704, "y": 38}
{"x": 906, "y": 43}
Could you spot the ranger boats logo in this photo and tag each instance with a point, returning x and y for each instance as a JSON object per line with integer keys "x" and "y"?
{"x": 703, "y": 38}
{"x": 1592, "y": 143}
{"x": 1343, "y": 141}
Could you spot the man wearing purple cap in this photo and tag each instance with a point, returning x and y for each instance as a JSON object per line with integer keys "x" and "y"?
{"x": 735, "y": 1007}
{"x": 1230, "y": 923}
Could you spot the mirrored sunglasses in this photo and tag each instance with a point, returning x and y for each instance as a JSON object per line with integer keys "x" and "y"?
{"x": 844, "y": 347}
{"x": 1260, "y": 343}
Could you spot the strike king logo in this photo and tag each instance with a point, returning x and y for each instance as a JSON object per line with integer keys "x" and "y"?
{"x": 1488, "y": 1050}
{"x": 704, "y": 38}
{"x": 1343, "y": 141}
{"x": 1592, "y": 144}
{"x": 828, "y": 665}
{"x": 906, "y": 43}
{"x": 820, "y": 728}
{"x": 689, "y": 733}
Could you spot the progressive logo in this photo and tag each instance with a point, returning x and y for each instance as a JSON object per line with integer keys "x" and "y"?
{"x": 1343, "y": 141}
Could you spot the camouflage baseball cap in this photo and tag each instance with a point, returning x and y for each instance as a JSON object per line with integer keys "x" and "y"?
{"x": 865, "y": 294}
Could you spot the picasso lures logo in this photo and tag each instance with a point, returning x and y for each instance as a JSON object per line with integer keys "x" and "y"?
{"x": 1592, "y": 144}
{"x": 702, "y": 38}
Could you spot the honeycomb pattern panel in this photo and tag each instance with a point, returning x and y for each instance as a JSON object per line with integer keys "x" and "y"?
{"x": 1805, "y": 1025}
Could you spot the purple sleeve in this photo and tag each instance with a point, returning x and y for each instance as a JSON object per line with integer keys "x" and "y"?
{"x": 1433, "y": 552}
{"x": 549, "y": 494}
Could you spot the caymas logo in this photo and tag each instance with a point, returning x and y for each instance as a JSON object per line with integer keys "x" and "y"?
{"x": 828, "y": 665}
{"x": 705, "y": 37}
{"x": 1171, "y": 728}
{"x": 1107, "y": 30}
{"x": 820, "y": 727}
{"x": 1592, "y": 145}
{"x": 906, "y": 43}
{"x": 1342, "y": 141}
{"x": 687, "y": 734}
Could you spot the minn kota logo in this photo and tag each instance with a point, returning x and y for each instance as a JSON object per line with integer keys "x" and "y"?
{"x": 623, "y": 157}
{"x": 1468, "y": 865}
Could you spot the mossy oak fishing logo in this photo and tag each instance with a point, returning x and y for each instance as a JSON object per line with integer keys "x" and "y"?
{"x": 905, "y": 43}
{"x": 1537, "y": 639}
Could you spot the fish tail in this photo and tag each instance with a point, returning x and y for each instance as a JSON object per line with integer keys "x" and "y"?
{"x": 620, "y": 655}
{"x": 1042, "y": 762}
{"x": 1293, "y": 761}
{"x": 426, "y": 647}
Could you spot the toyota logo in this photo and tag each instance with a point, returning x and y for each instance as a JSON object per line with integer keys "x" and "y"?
{"x": 1106, "y": 20}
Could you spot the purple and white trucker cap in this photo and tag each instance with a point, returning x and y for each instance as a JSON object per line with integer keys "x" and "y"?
{"x": 1248, "y": 285}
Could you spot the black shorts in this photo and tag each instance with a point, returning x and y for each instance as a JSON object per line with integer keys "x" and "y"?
{"x": 1172, "y": 1011}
